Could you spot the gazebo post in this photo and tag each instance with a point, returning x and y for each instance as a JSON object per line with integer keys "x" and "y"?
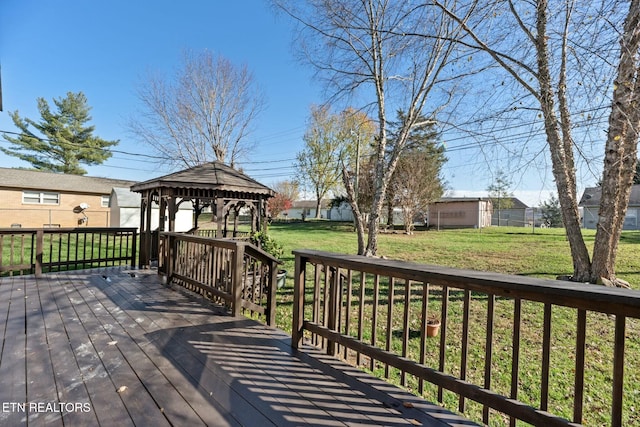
{"x": 163, "y": 207}
{"x": 172, "y": 213}
{"x": 220, "y": 216}
{"x": 262, "y": 213}
{"x": 144, "y": 249}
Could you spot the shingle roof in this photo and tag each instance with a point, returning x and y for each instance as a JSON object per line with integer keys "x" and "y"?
{"x": 22, "y": 179}
{"x": 591, "y": 196}
{"x": 517, "y": 203}
{"x": 311, "y": 204}
{"x": 208, "y": 176}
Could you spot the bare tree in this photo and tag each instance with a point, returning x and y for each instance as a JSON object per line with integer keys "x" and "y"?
{"x": 369, "y": 49}
{"x": 290, "y": 189}
{"x": 560, "y": 53}
{"x": 358, "y": 133}
{"x": 417, "y": 183}
{"x": 204, "y": 113}
{"x": 317, "y": 165}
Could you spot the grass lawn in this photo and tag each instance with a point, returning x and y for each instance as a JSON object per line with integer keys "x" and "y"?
{"x": 544, "y": 254}
{"x": 511, "y": 250}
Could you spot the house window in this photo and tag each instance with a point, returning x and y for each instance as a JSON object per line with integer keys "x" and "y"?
{"x": 105, "y": 201}
{"x": 40, "y": 198}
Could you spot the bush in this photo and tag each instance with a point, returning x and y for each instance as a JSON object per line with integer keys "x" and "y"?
{"x": 267, "y": 244}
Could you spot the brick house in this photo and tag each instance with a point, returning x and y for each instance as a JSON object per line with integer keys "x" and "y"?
{"x": 31, "y": 198}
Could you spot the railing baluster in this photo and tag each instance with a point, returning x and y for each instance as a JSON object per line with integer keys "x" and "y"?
{"x": 424, "y": 313}
{"x": 332, "y": 314}
{"x": 363, "y": 288}
{"x": 389, "y": 334}
{"x": 374, "y": 318}
{"x": 347, "y": 313}
{"x": 465, "y": 343}
{"x": 316, "y": 300}
{"x": 443, "y": 336}
{"x": 546, "y": 358}
{"x": 340, "y": 303}
{"x": 618, "y": 371}
{"x": 406, "y": 326}
{"x": 488, "y": 353}
{"x": 325, "y": 301}
{"x": 515, "y": 356}
{"x": 578, "y": 398}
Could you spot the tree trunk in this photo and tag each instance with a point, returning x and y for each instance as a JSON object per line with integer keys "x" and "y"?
{"x": 621, "y": 151}
{"x": 561, "y": 154}
{"x": 318, "y": 207}
{"x": 357, "y": 215}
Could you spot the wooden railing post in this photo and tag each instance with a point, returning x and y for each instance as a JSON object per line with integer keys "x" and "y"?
{"x": 236, "y": 279}
{"x": 298, "y": 301}
{"x": 332, "y": 315}
{"x": 170, "y": 254}
{"x": 134, "y": 248}
{"x": 271, "y": 294}
{"x": 39, "y": 252}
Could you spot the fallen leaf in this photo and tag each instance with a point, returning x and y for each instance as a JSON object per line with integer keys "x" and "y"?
{"x": 407, "y": 404}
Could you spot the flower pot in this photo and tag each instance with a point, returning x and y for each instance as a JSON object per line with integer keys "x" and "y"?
{"x": 433, "y": 328}
{"x": 282, "y": 278}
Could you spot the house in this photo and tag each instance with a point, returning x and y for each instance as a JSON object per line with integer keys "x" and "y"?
{"x": 460, "y": 212}
{"x": 125, "y": 211}
{"x": 590, "y": 202}
{"x": 30, "y": 198}
{"x": 306, "y": 209}
{"x": 513, "y": 215}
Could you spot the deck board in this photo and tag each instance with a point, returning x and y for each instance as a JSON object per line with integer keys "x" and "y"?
{"x": 69, "y": 384}
{"x": 12, "y": 363}
{"x": 91, "y": 332}
{"x": 40, "y": 377}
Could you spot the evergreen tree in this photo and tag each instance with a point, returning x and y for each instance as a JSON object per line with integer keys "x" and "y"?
{"x": 64, "y": 141}
{"x": 551, "y": 212}
{"x": 416, "y": 181}
{"x": 500, "y": 194}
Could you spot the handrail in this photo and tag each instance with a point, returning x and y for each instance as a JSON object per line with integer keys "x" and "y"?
{"x": 361, "y": 309}
{"x": 229, "y": 272}
{"x": 40, "y": 250}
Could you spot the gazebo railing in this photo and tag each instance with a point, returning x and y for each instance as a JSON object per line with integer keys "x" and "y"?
{"x": 232, "y": 273}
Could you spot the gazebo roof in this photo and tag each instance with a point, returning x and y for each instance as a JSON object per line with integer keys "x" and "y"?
{"x": 209, "y": 177}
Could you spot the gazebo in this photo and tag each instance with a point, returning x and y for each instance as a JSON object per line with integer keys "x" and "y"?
{"x": 213, "y": 184}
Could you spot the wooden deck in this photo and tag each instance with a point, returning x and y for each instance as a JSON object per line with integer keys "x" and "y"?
{"x": 115, "y": 347}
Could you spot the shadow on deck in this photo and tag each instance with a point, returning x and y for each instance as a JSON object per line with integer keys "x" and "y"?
{"x": 115, "y": 347}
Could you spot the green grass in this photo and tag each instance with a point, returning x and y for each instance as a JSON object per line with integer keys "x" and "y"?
{"x": 511, "y": 250}
{"x": 544, "y": 254}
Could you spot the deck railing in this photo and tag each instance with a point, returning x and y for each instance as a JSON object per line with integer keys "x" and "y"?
{"x": 41, "y": 250}
{"x": 505, "y": 351}
{"x": 233, "y": 273}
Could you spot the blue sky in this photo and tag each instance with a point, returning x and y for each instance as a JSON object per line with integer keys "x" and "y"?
{"x": 104, "y": 49}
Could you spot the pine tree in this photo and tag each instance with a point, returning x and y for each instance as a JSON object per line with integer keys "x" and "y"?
{"x": 64, "y": 141}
